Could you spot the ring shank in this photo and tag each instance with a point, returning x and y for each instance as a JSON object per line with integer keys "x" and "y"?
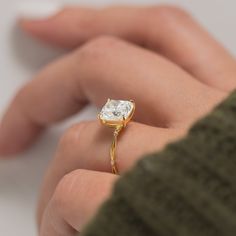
{"x": 113, "y": 150}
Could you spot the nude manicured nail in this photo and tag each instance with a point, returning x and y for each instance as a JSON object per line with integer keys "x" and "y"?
{"x": 40, "y": 10}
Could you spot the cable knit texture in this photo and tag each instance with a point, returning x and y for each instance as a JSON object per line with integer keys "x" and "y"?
{"x": 188, "y": 189}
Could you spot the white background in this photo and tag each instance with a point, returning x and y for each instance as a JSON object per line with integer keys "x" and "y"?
{"x": 20, "y": 58}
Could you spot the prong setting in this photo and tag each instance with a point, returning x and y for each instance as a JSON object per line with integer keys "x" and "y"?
{"x": 117, "y": 112}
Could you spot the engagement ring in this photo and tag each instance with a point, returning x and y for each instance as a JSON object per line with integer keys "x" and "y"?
{"x": 116, "y": 114}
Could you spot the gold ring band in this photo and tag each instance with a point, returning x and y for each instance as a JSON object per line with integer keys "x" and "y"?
{"x": 116, "y": 114}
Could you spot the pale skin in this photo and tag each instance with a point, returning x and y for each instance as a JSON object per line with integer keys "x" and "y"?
{"x": 157, "y": 56}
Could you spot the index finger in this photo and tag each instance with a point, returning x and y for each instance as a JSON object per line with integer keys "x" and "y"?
{"x": 168, "y": 30}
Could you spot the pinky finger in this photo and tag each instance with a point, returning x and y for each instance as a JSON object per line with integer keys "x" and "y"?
{"x": 76, "y": 199}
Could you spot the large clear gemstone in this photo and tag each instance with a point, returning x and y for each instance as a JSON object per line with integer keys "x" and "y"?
{"x": 116, "y": 110}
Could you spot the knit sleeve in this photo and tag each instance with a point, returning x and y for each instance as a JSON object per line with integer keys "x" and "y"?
{"x": 188, "y": 189}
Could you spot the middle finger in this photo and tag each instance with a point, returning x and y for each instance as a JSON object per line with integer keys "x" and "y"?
{"x": 106, "y": 67}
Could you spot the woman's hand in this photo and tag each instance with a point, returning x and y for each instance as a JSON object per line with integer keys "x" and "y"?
{"x": 157, "y": 56}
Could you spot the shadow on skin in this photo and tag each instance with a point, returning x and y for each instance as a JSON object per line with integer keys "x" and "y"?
{"x": 30, "y": 52}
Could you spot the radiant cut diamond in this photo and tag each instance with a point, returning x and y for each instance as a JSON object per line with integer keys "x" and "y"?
{"x": 116, "y": 110}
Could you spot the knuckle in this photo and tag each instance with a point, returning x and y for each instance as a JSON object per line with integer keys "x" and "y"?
{"x": 167, "y": 13}
{"x": 73, "y": 145}
{"x": 102, "y": 42}
{"x": 72, "y": 135}
{"x": 84, "y": 18}
{"x": 98, "y": 53}
{"x": 99, "y": 48}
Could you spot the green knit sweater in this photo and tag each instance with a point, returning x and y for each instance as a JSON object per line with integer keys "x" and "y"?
{"x": 189, "y": 189}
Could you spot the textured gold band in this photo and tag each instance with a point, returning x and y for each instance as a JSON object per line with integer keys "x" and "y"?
{"x": 113, "y": 150}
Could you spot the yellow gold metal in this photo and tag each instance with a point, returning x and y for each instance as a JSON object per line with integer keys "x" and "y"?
{"x": 118, "y": 127}
{"x": 113, "y": 150}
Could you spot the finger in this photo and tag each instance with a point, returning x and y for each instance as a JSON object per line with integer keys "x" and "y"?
{"x": 103, "y": 68}
{"x": 76, "y": 199}
{"x": 86, "y": 146}
{"x": 166, "y": 29}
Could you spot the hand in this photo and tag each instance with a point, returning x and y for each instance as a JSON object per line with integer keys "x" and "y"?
{"x": 157, "y": 56}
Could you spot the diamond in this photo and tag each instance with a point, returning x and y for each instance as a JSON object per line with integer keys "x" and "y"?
{"x": 117, "y": 110}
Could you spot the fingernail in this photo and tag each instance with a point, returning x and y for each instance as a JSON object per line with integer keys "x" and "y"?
{"x": 39, "y": 10}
